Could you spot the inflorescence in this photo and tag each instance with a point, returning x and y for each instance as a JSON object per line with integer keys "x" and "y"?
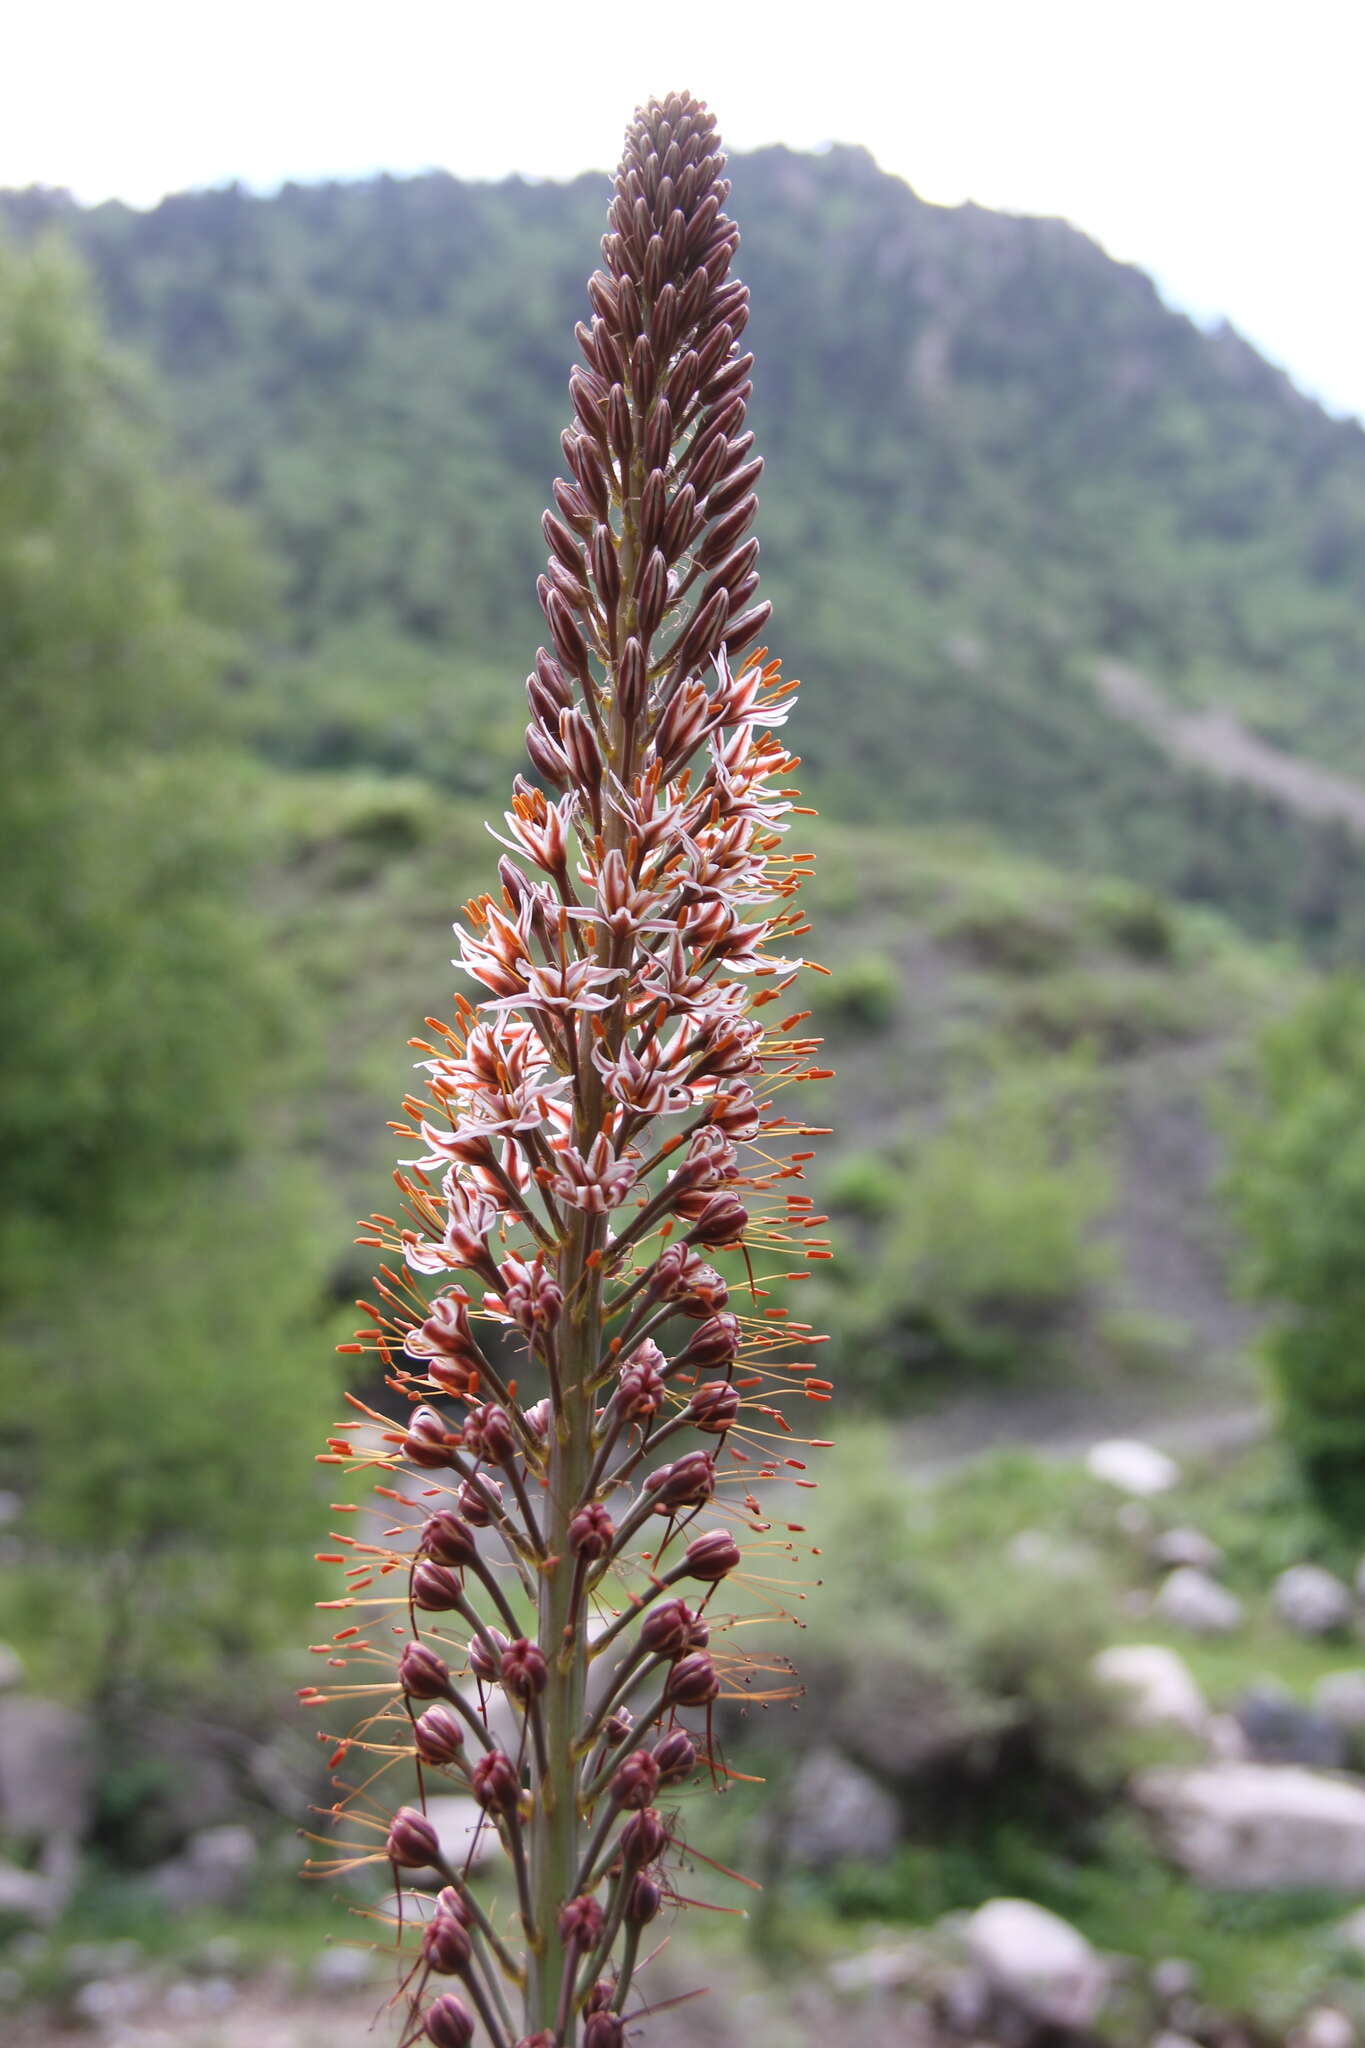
{"x": 574, "y": 1318}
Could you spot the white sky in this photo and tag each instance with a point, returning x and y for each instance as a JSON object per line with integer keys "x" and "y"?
{"x": 1216, "y": 142}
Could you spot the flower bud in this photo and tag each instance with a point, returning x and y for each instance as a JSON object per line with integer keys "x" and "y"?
{"x": 713, "y": 1343}
{"x": 692, "y": 1682}
{"x": 448, "y": 2024}
{"x": 644, "y": 1838}
{"x": 483, "y": 1662}
{"x": 473, "y": 1500}
{"x": 428, "y": 1442}
{"x": 671, "y": 1628}
{"x": 412, "y": 1841}
{"x": 592, "y": 1532}
{"x": 619, "y": 1728}
{"x": 712, "y": 1556}
{"x": 676, "y": 1756}
{"x": 722, "y": 1222}
{"x": 686, "y": 1483}
{"x": 488, "y": 1434}
{"x": 523, "y": 1670}
{"x": 580, "y": 1922}
{"x": 636, "y": 1780}
{"x": 438, "y": 1735}
{"x": 422, "y": 1674}
{"x": 449, "y": 1540}
{"x": 643, "y": 1900}
{"x": 446, "y": 1945}
{"x": 435, "y": 1587}
{"x": 640, "y": 1391}
{"x": 713, "y": 1407}
{"x": 604, "y": 2030}
{"x": 496, "y": 1785}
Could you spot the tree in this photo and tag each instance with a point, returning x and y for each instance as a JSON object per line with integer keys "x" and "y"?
{"x": 1297, "y": 1188}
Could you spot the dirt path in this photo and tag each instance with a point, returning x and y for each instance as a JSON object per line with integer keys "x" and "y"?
{"x": 1221, "y": 745}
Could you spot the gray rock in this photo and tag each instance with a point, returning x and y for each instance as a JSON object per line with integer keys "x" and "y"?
{"x": 1280, "y": 1731}
{"x": 1156, "y": 1686}
{"x": 1191, "y": 1600}
{"x": 10, "y": 1508}
{"x": 1185, "y": 1545}
{"x": 11, "y": 1669}
{"x": 461, "y": 1827}
{"x": 201, "y": 1998}
{"x": 839, "y": 1812}
{"x": 1340, "y": 1696}
{"x": 46, "y": 1775}
{"x": 343, "y": 1969}
{"x": 1259, "y": 1827}
{"x": 85, "y": 1960}
{"x": 1132, "y": 1467}
{"x": 215, "y": 1870}
{"x": 1167, "y": 2039}
{"x": 1037, "y": 1963}
{"x": 1173, "y": 1978}
{"x": 1312, "y": 1601}
{"x": 27, "y": 1895}
{"x": 1323, "y": 2027}
{"x": 105, "y": 2001}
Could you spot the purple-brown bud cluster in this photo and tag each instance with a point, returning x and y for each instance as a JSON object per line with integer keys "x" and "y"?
{"x": 596, "y": 1164}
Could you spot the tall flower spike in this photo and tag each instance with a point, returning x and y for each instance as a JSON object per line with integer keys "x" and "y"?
{"x": 578, "y": 1420}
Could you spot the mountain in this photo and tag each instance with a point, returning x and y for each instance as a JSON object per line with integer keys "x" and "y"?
{"x": 1000, "y": 470}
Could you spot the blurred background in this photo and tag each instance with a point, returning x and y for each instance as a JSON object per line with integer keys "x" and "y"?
{"x": 1059, "y": 349}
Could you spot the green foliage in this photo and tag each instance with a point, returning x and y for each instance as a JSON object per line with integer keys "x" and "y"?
{"x": 158, "y": 1275}
{"x": 1297, "y": 1188}
{"x": 1006, "y": 461}
{"x": 991, "y": 1241}
{"x": 861, "y": 995}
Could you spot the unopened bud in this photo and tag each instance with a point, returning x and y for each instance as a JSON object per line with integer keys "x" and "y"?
{"x": 412, "y": 1842}
{"x": 636, "y": 1780}
{"x": 422, "y": 1674}
{"x": 686, "y": 1483}
{"x": 643, "y": 1900}
{"x": 644, "y": 1838}
{"x": 671, "y": 1628}
{"x": 449, "y": 1539}
{"x": 713, "y": 1407}
{"x": 523, "y": 1670}
{"x": 496, "y": 1785}
{"x": 692, "y": 1682}
{"x": 592, "y": 1532}
{"x": 435, "y": 1587}
{"x": 448, "y": 2024}
{"x": 446, "y": 1945}
{"x": 438, "y": 1735}
{"x": 676, "y": 1756}
{"x": 580, "y": 1922}
{"x": 712, "y": 1556}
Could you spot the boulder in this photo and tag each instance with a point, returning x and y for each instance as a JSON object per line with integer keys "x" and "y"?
{"x": 1132, "y": 1467}
{"x": 1037, "y": 1963}
{"x": 1312, "y": 1601}
{"x": 11, "y": 1669}
{"x": 1191, "y": 1600}
{"x": 1324, "y": 2027}
{"x": 1185, "y": 1545}
{"x": 46, "y": 1769}
{"x": 343, "y": 1969}
{"x": 1340, "y": 1698}
{"x": 26, "y": 1895}
{"x": 1156, "y": 1686}
{"x": 838, "y": 1812}
{"x": 464, "y": 1831}
{"x": 1280, "y": 1731}
{"x": 1259, "y": 1827}
{"x": 215, "y": 1869}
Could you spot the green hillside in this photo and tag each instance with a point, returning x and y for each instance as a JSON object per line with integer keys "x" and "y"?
{"x": 994, "y": 459}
